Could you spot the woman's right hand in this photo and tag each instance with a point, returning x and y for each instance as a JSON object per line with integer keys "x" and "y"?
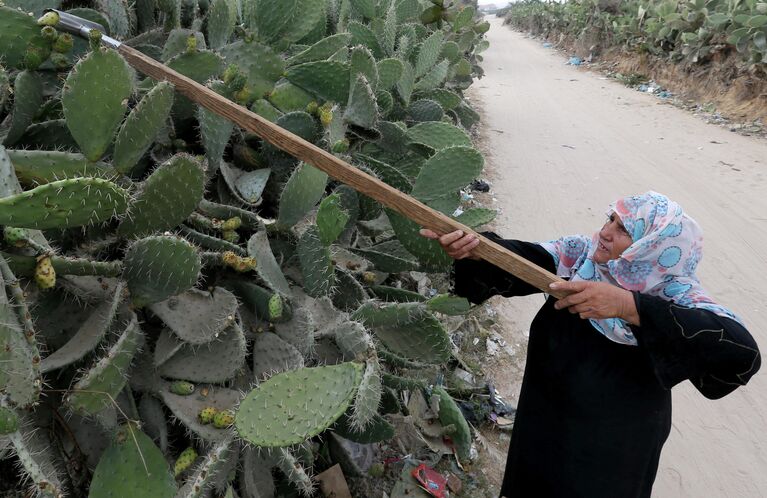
{"x": 456, "y": 244}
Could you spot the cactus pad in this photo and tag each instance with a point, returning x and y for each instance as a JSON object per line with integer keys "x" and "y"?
{"x": 288, "y": 97}
{"x": 327, "y": 79}
{"x": 215, "y": 361}
{"x": 64, "y": 204}
{"x": 132, "y": 466}
{"x": 447, "y": 171}
{"x": 321, "y": 50}
{"x": 294, "y": 406}
{"x": 198, "y": 317}
{"x": 187, "y": 408}
{"x": 100, "y": 385}
{"x": 450, "y": 414}
{"x": 28, "y": 97}
{"x": 406, "y": 82}
{"x": 361, "y": 110}
{"x": 363, "y": 35}
{"x": 301, "y": 193}
{"x": 142, "y": 126}
{"x": 438, "y": 135}
{"x": 247, "y": 186}
{"x": 429, "y": 53}
{"x": 316, "y": 266}
{"x": 434, "y": 78}
{"x": 18, "y": 34}
{"x": 268, "y": 268}
{"x": 95, "y": 98}
{"x": 331, "y": 219}
{"x": 260, "y": 63}
{"x": 166, "y": 198}
{"x": 476, "y": 217}
{"x": 222, "y": 17}
{"x": 36, "y": 167}
{"x": 286, "y": 20}
{"x": 157, "y": 268}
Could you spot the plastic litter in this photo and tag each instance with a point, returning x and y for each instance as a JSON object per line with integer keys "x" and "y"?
{"x": 574, "y": 61}
{"x": 430, "y": 480}
{"x": 546, "y": 45}
{"x": 480, "y": 186}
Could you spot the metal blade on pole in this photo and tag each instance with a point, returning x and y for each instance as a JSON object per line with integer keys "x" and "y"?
{"x": 319, "y": 158}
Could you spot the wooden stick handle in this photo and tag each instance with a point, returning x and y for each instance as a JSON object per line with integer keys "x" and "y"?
{"x": 340, "y": 170}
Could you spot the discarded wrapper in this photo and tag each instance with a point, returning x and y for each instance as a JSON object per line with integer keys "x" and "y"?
{"x": 431, "y": 481}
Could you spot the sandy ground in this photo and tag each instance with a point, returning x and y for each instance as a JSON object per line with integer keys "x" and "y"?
{"x": 561, "y": 144}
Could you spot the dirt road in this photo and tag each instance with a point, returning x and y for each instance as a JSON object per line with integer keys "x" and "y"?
{"x": 562, "y": 143}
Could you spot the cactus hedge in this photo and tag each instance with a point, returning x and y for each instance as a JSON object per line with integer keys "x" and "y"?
{"x": 186, "y": 310}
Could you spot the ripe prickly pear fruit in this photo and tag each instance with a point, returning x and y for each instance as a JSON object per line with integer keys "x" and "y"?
{"x": 207, "y": 415}
{"x": 238, "y": 263}
{"x": 191, "y": 44}
{"x": 232, "y": 224}
{"x": 326, "y": 117}
{"x": 184, "y": 461}
{"x": 223, "y": 419}
{"x": 275, "y": 307}
{"x": 9, "y": 421}
{"x": 45, "y": 275}
{"x": 63, "y": 44}
{"x": 16, "y": 237}
{"x": 49, "y": 19}
{"x": 340, "y": 146}
{"x": 182, "y": 388}
{"x": 312, "y": 107}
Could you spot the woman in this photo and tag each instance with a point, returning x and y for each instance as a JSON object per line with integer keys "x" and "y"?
{"x": 595, "y": 405}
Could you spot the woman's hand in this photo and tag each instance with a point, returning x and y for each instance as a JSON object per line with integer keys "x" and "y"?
{"x": 456, "y": 244}
{"x": 597, "y": 300}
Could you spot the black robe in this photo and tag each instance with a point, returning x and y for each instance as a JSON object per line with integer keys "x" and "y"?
{"x": 593, "y": 414}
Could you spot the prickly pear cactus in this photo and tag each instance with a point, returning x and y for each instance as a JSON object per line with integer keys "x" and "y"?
{"x": 175, "y": 285}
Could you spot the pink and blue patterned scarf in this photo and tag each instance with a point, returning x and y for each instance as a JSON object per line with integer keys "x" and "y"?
{"x": 667, "y": 247}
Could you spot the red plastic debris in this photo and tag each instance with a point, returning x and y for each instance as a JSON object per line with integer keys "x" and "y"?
{"x": 431, "y": 481}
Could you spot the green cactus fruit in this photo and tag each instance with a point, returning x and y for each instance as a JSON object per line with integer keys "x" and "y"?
{"x": 328, "y": 80}
{"x": 275, "y": 307}
{"x": 363, "y": 35}
{"x": 234, "y": 78}
{"x": 222, "y": 17}
{"x": 316, "y": 265}
{"x": 262, "y": 65}
{"x": 28, "y": 97}
{"x": 313, "y": 107}
{"x": 45, "y": 275}
{"x": 187, "y": 408}
{"x": 223, "y": 419}
{"x": 122, "y": 469}
{"x": 361, "y": 110}
{"x": 286, "y": 409}
{"x": 340, "y": 146}
{"x": 321, "y": 50}
{"x": 182, "y": 388}
{"x": 232, "y": 223}
{"x": 49, "y": 19}
{"x": 18, "y": 34}
{"x": 178, "y": 41}
{"x": 198, "y": 317}
{"x": 331, "y": 219}
{"x": 64, "y": 204}
{"x": 166, "y": 198}
{"x": 16, "y": 237}
{"x": 156, "y": 268}
{"x": 256, "y": 299}
{"x": 326, "y": 116}
{"x": 141, "y": 127}
{"x": 274, "y": 20}
{"x": 95, "y": 98}
{"x": 49, "y": 33}
{"x": 184, "y": 461}
{"x": 98, "y": 387}
{"x": 438, "y": 135}
{"x": 9, "y": 421}
{"x": 268, "y": 268}
{"x": 207, "y": 414}
{"x": 60, "y": 61}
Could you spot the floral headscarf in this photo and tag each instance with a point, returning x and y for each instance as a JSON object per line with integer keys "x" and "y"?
{"x": 667, "y": 247}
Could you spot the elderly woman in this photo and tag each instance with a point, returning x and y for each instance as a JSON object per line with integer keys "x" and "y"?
{"x": 595, "y": 405}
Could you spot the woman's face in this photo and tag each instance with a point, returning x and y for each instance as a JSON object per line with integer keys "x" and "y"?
{"x": 613, "y": 240}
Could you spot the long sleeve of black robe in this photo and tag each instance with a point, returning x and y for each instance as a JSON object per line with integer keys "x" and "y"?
{"x": 593, "y": 414}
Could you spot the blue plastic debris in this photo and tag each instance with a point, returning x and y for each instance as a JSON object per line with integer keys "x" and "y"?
{"x": 575, "y": 61}
{"x": 643, "y": 88}
{"x": 665, "y": 94}
{"x": 546, "y": 45}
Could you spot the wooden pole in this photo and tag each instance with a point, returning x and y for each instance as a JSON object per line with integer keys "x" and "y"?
{"x": 340, "y": 170}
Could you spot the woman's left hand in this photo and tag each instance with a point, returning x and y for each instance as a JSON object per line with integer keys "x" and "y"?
{"x": 597, "y": 300}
